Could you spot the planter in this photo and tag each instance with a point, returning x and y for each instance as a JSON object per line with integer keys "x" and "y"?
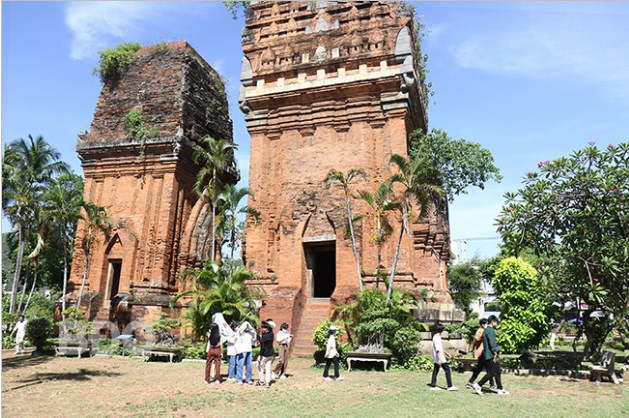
{"x": 378, "y": 356}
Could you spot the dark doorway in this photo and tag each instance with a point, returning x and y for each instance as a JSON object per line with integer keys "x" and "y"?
{"x": 321, "y": 260}
{"x": 115, "y": 266}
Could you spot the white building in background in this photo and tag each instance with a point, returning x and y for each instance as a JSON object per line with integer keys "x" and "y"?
{"x": 487, "y": 304}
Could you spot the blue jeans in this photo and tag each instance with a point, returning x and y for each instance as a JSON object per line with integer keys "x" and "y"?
{"x": 231, "y": 370}
{"x": 244, "y": 360}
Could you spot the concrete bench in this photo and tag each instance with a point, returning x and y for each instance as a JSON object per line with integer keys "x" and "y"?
{"x": 468, "y": 363}
{"x": 72, "y": 349}
{"x": 146, "y": 354}
{"x": 606, "y": 369}
{"x": 356, "y": 356}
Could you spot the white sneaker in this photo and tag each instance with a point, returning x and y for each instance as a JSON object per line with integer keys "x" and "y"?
{"x": 477, "y": 388}
{"x": 435, "y": 388}
{"x": 273, "y": 376}
{"x": 453, "y": 388}
{"x": 469, "y": 385}
{"x": 340, "y": 378}
{"x": 283, "y": 377}
{"x": 502, "y": 392}
{"x": 218, "y": 382}
{"x": 493, "y": 388}
{"x": 239, "y": 383}
{"x": 328, "y": 379}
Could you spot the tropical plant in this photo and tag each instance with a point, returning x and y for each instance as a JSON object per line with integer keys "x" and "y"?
{"x": 336, "y": 177}
{"x": 381, "y": 203}
{"x": 162, "y": 328}
{"x": 62, "y": 206}
{"x": 524, "y": 310}
{"x": 215, "y": 156}
{"x": 213, "y": 289}
{"x": 113, "y": 62}
{"x": 419, "y": 181}
{"x": 96, "y": 223}
{"x": 27, "y": 170}
{"x": 573, "y": 213}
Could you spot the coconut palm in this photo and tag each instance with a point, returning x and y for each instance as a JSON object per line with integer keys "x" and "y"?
{"x": 96, "y": 222}
{"x": 215, "y": 157}
{"x": 337, "y": 177}
{"x": 28, "y": 167}
{"x": 419, "y": 181}
{"x": 380, "y": 203}
{"x": 62, "y": 207}
{"x": 231, "y": 209}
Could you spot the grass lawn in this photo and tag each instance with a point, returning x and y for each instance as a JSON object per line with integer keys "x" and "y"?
{"x": 102, "y": 387}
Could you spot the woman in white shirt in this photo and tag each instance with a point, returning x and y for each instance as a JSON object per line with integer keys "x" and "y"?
{"x": 439, "y": 359}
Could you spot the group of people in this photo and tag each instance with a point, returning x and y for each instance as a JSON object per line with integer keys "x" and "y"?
{"x": 486, "y": 351}
{"x": 240, "y": 340}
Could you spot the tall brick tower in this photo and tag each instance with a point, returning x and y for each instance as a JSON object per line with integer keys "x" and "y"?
{"x": 146, "y": 182}
{"x": 329, "y": 85}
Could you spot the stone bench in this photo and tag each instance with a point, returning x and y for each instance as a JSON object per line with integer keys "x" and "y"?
{"x": 606, "y": 369}
{"x": 147, "y": 353}
{"x": 376, "y": 357}
{"x": 79, "y": 350}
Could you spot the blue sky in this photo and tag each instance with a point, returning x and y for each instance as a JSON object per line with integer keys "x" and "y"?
{"x": 529, "y": 81}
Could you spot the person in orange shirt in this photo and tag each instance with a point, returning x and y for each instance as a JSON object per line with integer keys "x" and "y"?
{"x": 477, "y": 351}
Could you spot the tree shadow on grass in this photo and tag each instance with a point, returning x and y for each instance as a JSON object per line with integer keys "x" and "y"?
{"x": 24, "y": 361}
{"x": 81, "y": 375}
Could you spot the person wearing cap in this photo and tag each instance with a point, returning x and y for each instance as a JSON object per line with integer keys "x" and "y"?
{"x": 490, "y": 353}
{"x": 267, "y": 354}
{"x": 331, "y": 355}
{"x": 283, "y": 339}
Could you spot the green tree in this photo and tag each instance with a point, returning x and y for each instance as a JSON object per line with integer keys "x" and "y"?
{"x": 28, "y": 167}
{"x": 214, "y": 289}
{"x": 464, "y": 281}
{"x": 381, "y": 203}
{"x": 215, "y": 157}
{"x": 38, "y": 330}
{"x": 573, "y": 213}
{"x": 523, "y": 307}
{"x": 459, "y": 163}
{"x": 62, "y": 207}
{"x": 418, "y": 180}
{"x": 96, "y": 223}
{"x": 336, "y": 177}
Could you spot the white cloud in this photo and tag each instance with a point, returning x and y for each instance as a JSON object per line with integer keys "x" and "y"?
{"x": 551, "y": 42}
{"x": 94, "y": 24}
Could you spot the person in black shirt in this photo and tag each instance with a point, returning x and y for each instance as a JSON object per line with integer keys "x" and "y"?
{"x": 267, "y": 354}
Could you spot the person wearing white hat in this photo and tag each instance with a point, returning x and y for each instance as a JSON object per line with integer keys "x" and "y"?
{"x": 331, "y": 355}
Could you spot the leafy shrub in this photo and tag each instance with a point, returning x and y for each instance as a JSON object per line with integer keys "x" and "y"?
{"x": 114, "y": 62}
{"x": 75, "y": 323}
{"x": 8, "y": 342}
{"x": 320, "y": 334}
{"x": 195, "y": 351}
{"x": 162, "y": 328}
{"x": 418, "y": 362}
{"x": 38, "y": 330}
{"x": 524, "y": 316}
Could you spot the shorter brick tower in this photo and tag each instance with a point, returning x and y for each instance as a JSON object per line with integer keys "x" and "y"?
{"x": 145, "y": 182}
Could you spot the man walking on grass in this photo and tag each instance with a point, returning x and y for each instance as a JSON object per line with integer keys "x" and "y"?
{"x": 490, "y": 354}
{"x": 477, "y": 350}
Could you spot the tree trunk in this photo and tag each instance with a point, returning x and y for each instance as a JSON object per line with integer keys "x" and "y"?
{"x": 65, "y": 281}
{"x": 18, "y": 268}
{"x": 213, "y": 245}
{"x": 395, "y": 259}
{"x": 351, "y": 233}
{"x": 30, "y": 294}
{"x": 379, "y": 262}
{"x": 87, "y": 266}
{"x": 28, "y": 276}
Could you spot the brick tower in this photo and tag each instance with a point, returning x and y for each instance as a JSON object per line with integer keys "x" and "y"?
{"x": 146, "y": 182}
{"x": 329, "y": 85}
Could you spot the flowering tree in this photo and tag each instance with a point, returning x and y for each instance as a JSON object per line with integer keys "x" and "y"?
{"x": 573, "y": 213}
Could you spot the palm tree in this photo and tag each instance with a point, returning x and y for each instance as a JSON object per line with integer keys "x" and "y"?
{"x": 215, "y": 158}
{"x": 211, "y": 291}
{"x": 419, "y": 180}
{"x": 28, "y": 168}
{"x": 231, "y": 197}
{"x": 96, "y": 220}
{"x": 62, "y": 207}
{"x": 337, "y": 177}
{"x": 380, "y": 203}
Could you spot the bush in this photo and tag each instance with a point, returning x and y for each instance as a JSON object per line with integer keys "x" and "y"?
{"x": 418, "y": 362}
{"x": 195, "y": 351}
{"x": 38, "y": 330}
{"x": 320, "y": 334}
{"x": 114, "y": 62}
